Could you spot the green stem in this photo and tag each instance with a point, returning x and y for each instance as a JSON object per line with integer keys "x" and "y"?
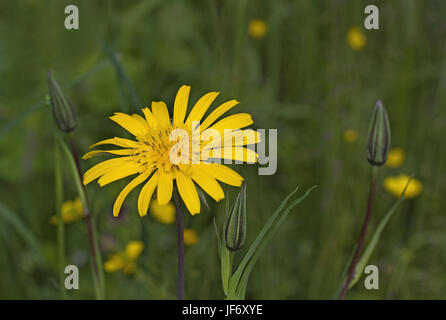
{"x": 58, "y": 182}
{"x": 95, "y": 255}
{"x": 180, "y": 240}
{"x": 351, "y": 271}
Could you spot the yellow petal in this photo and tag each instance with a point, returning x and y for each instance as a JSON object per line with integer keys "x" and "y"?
{"x": 234, "y": 122}
{"x": 146, "y": 195}
{"x": 115, "y": 263}
{"x": 165, "y": 187}
{"x": 217, "y": 113}
{"x": 188, "y": 192}
{"x": 123, "y": 194}
{"x": 180, "y": 106}
{"x": 233, "y": 153}
{"x": 222, "y": 173}
{"x": 120, "y": 152}
{"x": 133, "y": 249}
{"x": 208, "y": 184}
{"x": 129, "y": 123}
{"x": 235, "y": 138}
{"x": 150, "y": 118}
{"x": 120, "y": 172}
{"x": 120, "y": 142}
{"x": 103, "y": 167}
{"x": 140, "y": 119}
{"x": 161, "y": 113}
{"x": 201, "y": 107}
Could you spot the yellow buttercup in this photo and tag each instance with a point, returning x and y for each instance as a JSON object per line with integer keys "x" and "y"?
{"x": 125, "y": 260}
{"x": 190, "y": 237}
{"x": 356, "y": 38}
{"x": 395, "y": 186}
{"x": 164, "y": 214}
{"x": 395, "y": 158}
{"x": 71, "y": 211}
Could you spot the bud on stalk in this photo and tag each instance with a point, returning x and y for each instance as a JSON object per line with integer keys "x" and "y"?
{"x": 61, "y": 107}
{"x": 235, "y": 227}
{"x": 378, "y": 140}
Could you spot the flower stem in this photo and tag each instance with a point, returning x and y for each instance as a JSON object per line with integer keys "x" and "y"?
{"x": 60, "y": 224}
{"x": 365, "y": 224}
{"x": 94, "y": 250}
{"x": 180, "y": 240}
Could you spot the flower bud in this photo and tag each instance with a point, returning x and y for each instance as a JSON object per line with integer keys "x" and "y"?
{"x": 61, "y": 107}
{"x": 378, "y": 140}
{"x": 235, "y": 225}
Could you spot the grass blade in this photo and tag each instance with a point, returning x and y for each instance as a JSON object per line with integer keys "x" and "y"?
{"x": 240, "y": 278}
{"x": 375, "y": 238}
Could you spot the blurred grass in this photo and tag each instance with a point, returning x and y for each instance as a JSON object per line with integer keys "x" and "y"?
{"x": 302, "y": 78}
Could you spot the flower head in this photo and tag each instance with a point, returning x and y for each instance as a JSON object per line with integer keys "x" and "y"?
{"x": 395, "y": 186}
{"x": 71, "y": 211}
{"x": 125, "y": 260}
{"x": 164, "y": 214}
{"x": 257, "y": 28}
{"x": 182, "y": 151}
{"x": 395, "y": 158}
{"x": 190, "y": 237}
{"x": 356, "y": 38}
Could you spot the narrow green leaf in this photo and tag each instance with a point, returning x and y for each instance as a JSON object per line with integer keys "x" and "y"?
{"x": 238, "y": 282}
{"x": 375, "y": 238}
{"x": 14, "y": 221}
{"x": 122, "y": 76}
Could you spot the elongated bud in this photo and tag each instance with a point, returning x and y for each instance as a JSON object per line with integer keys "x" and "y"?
{"x": 378, "y": 140}
{"x": 61, "y": 107}
{"x": 235, "y": 226}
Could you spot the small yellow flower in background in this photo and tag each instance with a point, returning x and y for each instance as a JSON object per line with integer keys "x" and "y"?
{"x": 71, "y": 211}
{"x": 190, "y": 237}
{"x": 125, "y": 260}
{"x": 156, "y": 140}
{"x": 356, "y": 38}
{"x": 350, "y": 136}
{"x": 164, "y": 214}
{"x": 395, "y": 186}
{"x": 395, "y": 158}
{"x": 257, "y": 28}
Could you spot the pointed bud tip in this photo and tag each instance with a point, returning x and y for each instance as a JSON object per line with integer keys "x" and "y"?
{"x": 63, "y": 112}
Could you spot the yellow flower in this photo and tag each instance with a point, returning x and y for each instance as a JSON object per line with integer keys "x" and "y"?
{"x": 165, "y": 213}
{"x": 190, "y": 237}
{"x": 350, "y": 135}
{"x": 161, "y": 154}
{"x": 395, "y": 158}
{"x": 125, "y": 260}
{"x": 356, "y": 38}
{"x": 71, "y": 211}
{"x": 395, "y": 186}
{"x": 257, "y": 28}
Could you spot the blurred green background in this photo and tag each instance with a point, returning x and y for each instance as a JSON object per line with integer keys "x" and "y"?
{"x": 302, "y": 77}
